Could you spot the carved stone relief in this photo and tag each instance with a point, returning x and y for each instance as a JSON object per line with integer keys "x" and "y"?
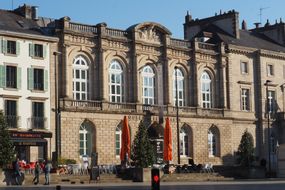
{"x": 149, "y": 34}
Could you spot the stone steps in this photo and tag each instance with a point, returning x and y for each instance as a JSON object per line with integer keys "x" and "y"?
{"x": 75, "y": 179}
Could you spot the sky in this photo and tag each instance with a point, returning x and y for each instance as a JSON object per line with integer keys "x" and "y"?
{"x": 121, "y": 14}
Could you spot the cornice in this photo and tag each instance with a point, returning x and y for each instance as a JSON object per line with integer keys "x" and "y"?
{"x": 28, "y": 36}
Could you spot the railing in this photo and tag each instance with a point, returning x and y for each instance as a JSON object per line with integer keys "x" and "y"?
{"x": 38, "y": 122}
{"x": 180, "y": 43}
{"x": 79, "y": 105}
{"x": 131, "y": 107}
{"x": 202, "y": 45}
{"x": 82, "y": 28}
{"x": 12, "y": 121}
{"x": 116, "y": 33}
{"x": 11, "y": 84}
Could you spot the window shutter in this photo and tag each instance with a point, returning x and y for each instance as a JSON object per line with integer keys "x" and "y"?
{"x": 31, "y": 50}
{"x": 44, "y": 51}
{"x": 17, "y": 48}
{"x": 1, "y": 44}
{"x": 30, "y": 78}
{"x": 4, "y": 46}
{"x": 2, "y": 76}
{"x": 46, "y": 80}
{"x": 19, "y": 77}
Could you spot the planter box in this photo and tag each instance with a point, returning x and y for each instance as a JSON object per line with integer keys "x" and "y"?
{"x": 141, "y": 174}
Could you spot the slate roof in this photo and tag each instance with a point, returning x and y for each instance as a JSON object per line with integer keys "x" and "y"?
{"x": 247, "y": 38}
{"x": 11, "y": 21}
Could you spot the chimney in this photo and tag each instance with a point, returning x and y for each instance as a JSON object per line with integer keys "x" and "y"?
{"x": 35, "y": 12}
{"x": 243, "y": 25}
{"x": 257, "y": 24}
{"x": 188, "y": 18}
{"x": 25, "y": 11}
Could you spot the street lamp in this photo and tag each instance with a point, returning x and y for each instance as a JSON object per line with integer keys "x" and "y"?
{"x": 268, "y": 125}
{"x": 177, "y": 115}
{"x": 57, "y": 111}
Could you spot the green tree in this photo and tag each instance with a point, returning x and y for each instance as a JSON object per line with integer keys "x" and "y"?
{"x": 7, "y": 151}
{"x": 246, "y": 149}
{"x": 142, "y": 150}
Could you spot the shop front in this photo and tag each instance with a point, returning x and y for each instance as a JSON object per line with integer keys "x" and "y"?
{"x": 31, "y": 145}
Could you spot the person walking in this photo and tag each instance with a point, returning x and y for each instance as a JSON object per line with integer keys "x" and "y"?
{"x": 17, "y": 171}
{"x": 47, "y": 169}
{"x": 37, "y": 173}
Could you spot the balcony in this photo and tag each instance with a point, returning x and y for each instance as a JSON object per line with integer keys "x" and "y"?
{"x": 12, "y": 121}
{"x": 110, "y": 107}
{"x": 37, "y": 122}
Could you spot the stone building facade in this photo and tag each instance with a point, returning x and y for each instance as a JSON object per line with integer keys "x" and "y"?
{"x": 108, "y": 73}
{"x": 220, "y": 69}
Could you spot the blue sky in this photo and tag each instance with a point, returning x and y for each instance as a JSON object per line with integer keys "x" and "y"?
{"x": 123, "y": 13}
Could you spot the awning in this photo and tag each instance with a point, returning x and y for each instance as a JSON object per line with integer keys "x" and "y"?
{"x": 29, "y": 142}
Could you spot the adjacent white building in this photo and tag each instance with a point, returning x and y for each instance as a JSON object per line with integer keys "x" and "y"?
{"x": 25, "y": 81}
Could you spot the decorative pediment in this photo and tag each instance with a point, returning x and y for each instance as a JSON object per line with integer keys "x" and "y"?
{"x": 149, "y": 34}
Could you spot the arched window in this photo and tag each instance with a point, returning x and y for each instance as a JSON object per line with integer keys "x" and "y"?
{"x": 115, "y": 82}
{"x": 148, "y": 77}
{"x": 213, "y": 139}
{"x": 118, "y": 139}
{"x": 206, "y": 90}
{"x": 85, "y": 140}
{"x": 184, "y": 142}
{"x": 180, "y": 87}
{"x": 80, "y": 78}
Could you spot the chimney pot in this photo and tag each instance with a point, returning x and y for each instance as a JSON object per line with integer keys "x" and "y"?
{"x": 243, "y": 25}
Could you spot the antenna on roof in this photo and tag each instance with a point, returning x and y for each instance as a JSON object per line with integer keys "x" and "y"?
{"x": 260, "y": 13}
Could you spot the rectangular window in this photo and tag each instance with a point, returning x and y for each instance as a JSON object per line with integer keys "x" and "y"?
{"x": 11, "y": 113}
{"x": 11, "y": 77}
{"x": 270, "y": 70}
{"x": 244, "y": 67}
{"x": 271, "y": 102}
{"x": 38, "y": 119}
{"x": 245, "y": 100}
{"x": 38, "y": 50}
{"x": 11, "y": 47}
{"x": 38, "y": 79}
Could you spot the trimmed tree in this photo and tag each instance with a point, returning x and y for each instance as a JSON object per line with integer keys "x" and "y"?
{"x": 7, "y": 151}
{"x": 246, "y": 149}
{"x": 142, "y": 150}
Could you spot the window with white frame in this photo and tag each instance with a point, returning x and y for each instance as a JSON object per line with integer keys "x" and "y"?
{"x": 244, "y": 67}
{"x": 245, "y": 99}
{"x": 271, "y": 101}
{"x": 212, "y": 142}
{"x": 148, "y": 86}
{"x": 118, "y": 140}
{"x": 270, "y": 70}
{"x": 85, "y": 139}
{"x": 180, "y": 87}
{"x": 11, "y": 113}
{"x": 184, "y": 142}
{"x": 80, "y": 78}
{"x": 115, "y": 82}
{"x": 206, "y": 90}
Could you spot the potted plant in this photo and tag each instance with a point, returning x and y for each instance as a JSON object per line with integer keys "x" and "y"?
{"x": 142, "y": 155}
{"x": 246, "y": 157}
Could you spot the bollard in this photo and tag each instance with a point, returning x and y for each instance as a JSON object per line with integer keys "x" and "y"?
{"x": 155, "y": 179}
{"x": 58, "y": 187}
